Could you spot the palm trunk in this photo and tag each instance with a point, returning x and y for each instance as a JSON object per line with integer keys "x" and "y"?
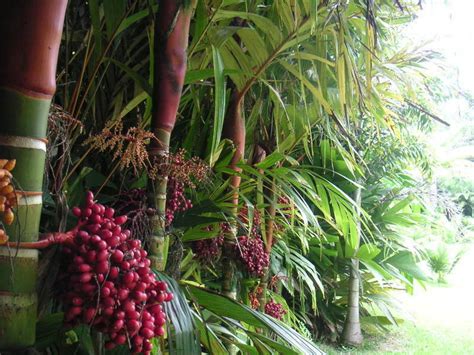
{"x": 171, "y": 42}
{"x": 352, "y": 334}
{"x": 31, "y": 35}
{"x": 234, "y": 129}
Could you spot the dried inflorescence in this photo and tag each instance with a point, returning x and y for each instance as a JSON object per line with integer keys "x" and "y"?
{"x": 255, "y": 296}
{"x": 286, "y": 205}
{"x": 129, "y": 148}
{"x": 60, "y": 121}
{"x": 61, "y": 126}
{"x": 176, "y": 166}
{"x": 134, "y": 204}
{"x": 275, "y": 280}
{"x": 181, "y": 173}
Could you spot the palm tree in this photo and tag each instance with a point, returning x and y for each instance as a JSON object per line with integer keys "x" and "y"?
{"x": 171, "y": 41}
{"x": 31, "y": 32}
{"x": 352, "y": 332}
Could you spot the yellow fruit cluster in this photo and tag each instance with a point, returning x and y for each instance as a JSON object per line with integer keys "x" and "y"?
{"x": 3, "y": 237}
{"x": 8, "y": 198}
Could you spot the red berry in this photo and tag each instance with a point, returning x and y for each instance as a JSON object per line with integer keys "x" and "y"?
{"x": 114, "y": 272}
{"x": 89, "y": 196}
{"x": 86, "y": 212}
{"x": 77, "y": 301}
{"x": 89, "y": 315}
{"x": 147, "y": 333}
{"x": 109, "y": 212}
{"x": 120, "y": 339}
{"x": 133, "y": 325}
{"x": 118, "y": 324}
{"x": 110, "y": 345}
{"x": 117, "y": 256}
{"x": 86, "y": 277}
{"x": 137, "y": 340}
{"x": 120, "y": 220}
{"x": 76, "y": 211}
{"x": 160, "y": 331}
{"x": 105, "y": 292}
{"x": 84, "y": 268}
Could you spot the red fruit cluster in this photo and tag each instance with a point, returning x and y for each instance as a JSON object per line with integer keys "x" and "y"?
{"x": 252, "y": 254}
{"x": 244, "y": 218}
{"x": 109, "y": 281}
{"x": 208, "y": 250}
{"x": 175, "y": 200}
{"x": 275, "y": 310}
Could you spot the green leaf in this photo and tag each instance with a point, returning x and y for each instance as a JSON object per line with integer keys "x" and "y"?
{"x": 182, "y": 334}
{"x": 219, "y": 101}
{"x": 130, "y": 20}
{"x": 197, "y": 233}
{"x": 208, "y": 338}
{"x": 49, "y": 330}
{"x": 271, "y": 160}
{"x": 114, "y": 11}
{"x": 133, "y": 74}
{"x": 193, "y": 76}
{"x": 404, "y": 261}
{"x": 367, "y": 252}
{"x": 226, "y": 307}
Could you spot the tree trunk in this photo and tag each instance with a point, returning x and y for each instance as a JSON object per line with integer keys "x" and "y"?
{"x": 31, "y": 35}
{"x": 171, "y": 42}
{"x": 234, "y": 129}
{"x": 352, "y": 334}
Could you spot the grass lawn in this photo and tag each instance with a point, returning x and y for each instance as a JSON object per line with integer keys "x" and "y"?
{"x": 412, "y": 339}
{"x": 443, "y": 320}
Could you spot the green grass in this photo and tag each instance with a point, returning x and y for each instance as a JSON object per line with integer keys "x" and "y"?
{"x": 443, "y": 320}
{"x": 411, "y": 339}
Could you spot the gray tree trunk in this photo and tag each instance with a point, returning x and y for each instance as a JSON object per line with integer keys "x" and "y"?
{"x": 352, "y": 334}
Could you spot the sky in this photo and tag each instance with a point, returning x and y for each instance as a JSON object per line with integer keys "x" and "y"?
{"x": 447, "y": 26}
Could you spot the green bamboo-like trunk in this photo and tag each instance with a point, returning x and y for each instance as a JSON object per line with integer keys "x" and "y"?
{"x": 31, "y": 35}
{"x": 171, "y": 42}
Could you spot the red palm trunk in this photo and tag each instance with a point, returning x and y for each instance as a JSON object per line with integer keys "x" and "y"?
{"x": 234, "y": 129}
{"x": 31, "y": 34}
{"x": 171, "y": 42}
